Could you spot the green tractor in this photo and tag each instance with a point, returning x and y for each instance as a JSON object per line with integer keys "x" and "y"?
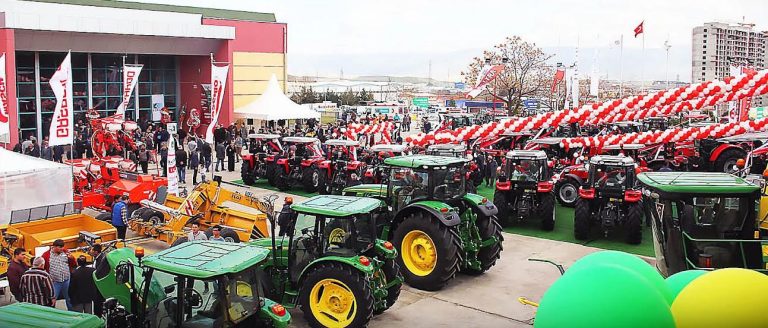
{"x": 327, "y": 260}
{"x": 703, "y": 221}
{"x": 436, "y": 226}
{"x": 195, "y": 284}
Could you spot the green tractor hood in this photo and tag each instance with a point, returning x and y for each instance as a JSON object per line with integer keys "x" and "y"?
{"x": 109, "y": 287}
{"x": 367, "y": 190}
{"x": 23, "y": 315}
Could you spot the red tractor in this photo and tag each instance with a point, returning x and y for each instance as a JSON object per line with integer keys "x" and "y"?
{"x": 335, "y": 173}
{"x": 98, "y": 184}
{"x": 376, "y": 171}
{"x": 524, "y": 189}
{"x": 261, "y": 162}
{"x": 300, "y": 166}
{"x": 721, "y": 155}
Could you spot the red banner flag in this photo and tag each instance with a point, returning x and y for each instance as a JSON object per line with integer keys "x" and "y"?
{"x": 486, "y": 76}
{"x": 639, "y": 29}
{"x": 559, "y": 76}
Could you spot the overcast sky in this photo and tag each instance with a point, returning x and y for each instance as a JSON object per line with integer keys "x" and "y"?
{"x": 399, "y": 37}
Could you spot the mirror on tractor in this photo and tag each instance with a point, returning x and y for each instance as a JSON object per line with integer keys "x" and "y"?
{"x": 123, "y": 272}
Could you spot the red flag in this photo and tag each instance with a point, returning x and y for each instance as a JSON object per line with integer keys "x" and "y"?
{"x": 639, "y": 29}
{"x": 559, "y": 76}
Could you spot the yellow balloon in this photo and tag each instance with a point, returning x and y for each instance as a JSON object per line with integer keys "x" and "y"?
{"x": 730, "y": 297}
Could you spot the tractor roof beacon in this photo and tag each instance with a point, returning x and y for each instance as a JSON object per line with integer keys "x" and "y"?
{"x": 524, "y": 188}
{"x": 166, "y": 289}
{"x": 609, "y": 198}
{"x": 703, "y": 221}
{"x": 327, "y": 260}
{"x": 436, "y": 226}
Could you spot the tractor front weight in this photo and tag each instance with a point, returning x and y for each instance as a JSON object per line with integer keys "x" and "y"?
{"x": 470, "y": 239}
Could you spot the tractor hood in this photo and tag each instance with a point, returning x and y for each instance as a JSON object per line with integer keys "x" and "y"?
{"x": 22, "y": 315}
{"x": 370, "y": 190}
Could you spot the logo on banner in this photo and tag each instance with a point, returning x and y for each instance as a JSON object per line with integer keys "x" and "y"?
{"x": 487, "y": 75}
{"x": 130, "y": 78}
{"x": 218, "y": 81}
{"x": 5, "y": 127}
{"x": 62, "y": 125}
{"x": 173, "y": 176}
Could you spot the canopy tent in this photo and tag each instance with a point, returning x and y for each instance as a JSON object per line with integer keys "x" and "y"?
{"x": 274, "y": 105}
{"x": 27, "y": 182}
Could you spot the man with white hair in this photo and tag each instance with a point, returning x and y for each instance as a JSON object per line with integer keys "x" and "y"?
{"x": 37, "y": 286}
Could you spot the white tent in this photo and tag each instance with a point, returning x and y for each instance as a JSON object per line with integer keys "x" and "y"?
{"x": 274, "y": 105}
{"x": 27, "y": 182}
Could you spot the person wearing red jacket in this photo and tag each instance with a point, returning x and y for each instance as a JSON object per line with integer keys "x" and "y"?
{"x": 59, "y": 264}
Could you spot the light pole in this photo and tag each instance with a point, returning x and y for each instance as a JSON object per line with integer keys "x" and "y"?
{"x": 666, "y": 73}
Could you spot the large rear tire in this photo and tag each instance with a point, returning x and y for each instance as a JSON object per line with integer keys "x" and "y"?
{"x": 390, "y": 270}
{"x": 634, "y": 224}
{"x": 246, "y": 174}
{"x": 727, "y": 160}
{"x": 567, "y": 191}
{"x": 581, "y": 218}
{"x": 546, "y": 211}
{"x": 336, "y": 295}
{"x": 502, "y": 203}
{"x": 428, "y": 251}
{"x": 488, "y": 227}
{"x": 310, "y": 178}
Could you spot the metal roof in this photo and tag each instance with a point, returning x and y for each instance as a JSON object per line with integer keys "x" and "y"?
{"x": 205, "y": 12}
{"x": 203, "y": 259}
{"x": 391, "y": 148}
{"x": 300, "y": 139}
{"x": 337, "y": 206}
{"x": 416, "y": 161}
{"x": 447, "y": 147}
{"x": 536, "y": 154}
{"x": 263, "y": 136}
{"x": 745, "y": 137}
{"x": 610, "y": 159}
{"x": 624, "y": 146}
{"x": 342, "y": 142}
{"x": 696, "y": 182}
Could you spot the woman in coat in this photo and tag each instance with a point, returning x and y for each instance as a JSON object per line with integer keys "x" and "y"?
{"x": 231, "y": 156}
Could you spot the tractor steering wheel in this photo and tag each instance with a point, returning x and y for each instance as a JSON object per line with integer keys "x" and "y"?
{"x": 188, "y": 298}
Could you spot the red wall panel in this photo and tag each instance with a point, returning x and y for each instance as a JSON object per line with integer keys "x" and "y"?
{"x": 7, "y": 46}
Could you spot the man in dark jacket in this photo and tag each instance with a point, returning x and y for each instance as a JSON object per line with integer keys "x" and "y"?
{"x": 205, "y": 155}
{"x": 82, "y": 288}
{"x": 490, "y": 172}
{"x": 16, "y": 269}
{"x": 161, "y": 136}
{"x": 220, "y": 134}
{"x": 194, "y": 164}
{"x": 221, "y": 151}
{"x": 181, "y": 164}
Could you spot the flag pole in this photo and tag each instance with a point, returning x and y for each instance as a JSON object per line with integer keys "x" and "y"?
{"x": 642, "y": 66}
{"x": 621, "y": 67}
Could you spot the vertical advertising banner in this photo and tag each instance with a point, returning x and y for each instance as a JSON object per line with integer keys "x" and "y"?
{"x": 173, "y": 176}
{"x": 218, "y": 84}
{"x": 62, "y": 125}
{"x": 130, "y": 79}
{"x": 5, "y": 123}
{"x": 158, "y": 102}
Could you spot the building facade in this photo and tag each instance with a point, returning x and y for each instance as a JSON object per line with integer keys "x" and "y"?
{"x": 175, "y": 45}
{"x": 718, "y": 46}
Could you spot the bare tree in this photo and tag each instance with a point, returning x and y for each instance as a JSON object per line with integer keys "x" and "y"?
{"x": 525, "y": 74}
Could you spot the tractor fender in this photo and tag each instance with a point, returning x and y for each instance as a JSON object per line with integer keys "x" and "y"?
{"x": 354, "y": 165}
{"x": 450, "y": 218}
{"x": 481, "y": 204}
{"x": 324, "y": 165}
{"x": 248, "y": 158}
{"x": 573, "y": 177}
{"x": 306, "y": 162}
{"x": 353, "y": 262}
{"x": 720, "y": 149}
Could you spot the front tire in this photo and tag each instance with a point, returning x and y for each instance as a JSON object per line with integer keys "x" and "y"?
{"x": 581, "y": 218}
{"x": 245, "y": 173}
{"x": 428, "y": 251}
{"x": 310, "y": 178}
{"x": 336, "y": 295}
{"x": 271, "y": 173}
{"x": 502, "y": 203}
{"x": 546, "y": 212}
{"x": 634, "y": 224}
{"x": 567, "y": 191}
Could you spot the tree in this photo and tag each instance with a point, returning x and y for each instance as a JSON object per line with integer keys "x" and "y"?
{"x": 365, "y": 95}
{"x": 348, "y": 98}
{"x": 525, "y": 72}
{"x": 305, "y": 96}
{"x": 331, "y": 96}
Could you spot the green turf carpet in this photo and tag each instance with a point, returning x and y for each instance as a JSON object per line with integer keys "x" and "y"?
{"x": 563, "y": 226}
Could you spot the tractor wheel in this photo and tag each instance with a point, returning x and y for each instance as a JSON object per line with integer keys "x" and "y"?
{"x": 546, "y": 212}
{"x": 389, "y": 270}
{"x": 130, "y": 208}
{"x": 489, "y": 227}
{"x": 429, "y": 251}
{"x": 581, "y": 220}
{"x": 336, "y": 295}
{"x": 727, "y": 160}
{"x": 179, "y": 241}
{"x": 150, "y": 215}
{"x": 271, "y": 173}
{"x": 310, "y": 178}
{"x": 502, "y": 203}
{"x": 281, "y": 181}
{"x": 228, "y": 234}
{"x": 567, "y": 191}
{"x": 106, "y": 216}
{"x": 322, "y": 182}
{"x": 245, "y": 173}
{"x": 634, "y": 224}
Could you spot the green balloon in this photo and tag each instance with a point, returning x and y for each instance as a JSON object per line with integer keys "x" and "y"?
{"x": 603, "y": 296}
{"x": 629, "y": 262}
{"x": 678, "y": 281}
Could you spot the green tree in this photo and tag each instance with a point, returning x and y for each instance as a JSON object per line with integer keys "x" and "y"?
{"x": 348, "y": 98}
{"x": 365, "y": 95}
{"x": 305, "y": 96}
{"x": 332, "y": 97}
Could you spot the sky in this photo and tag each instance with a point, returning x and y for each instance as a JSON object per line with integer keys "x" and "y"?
{"x": 402, "y": 38}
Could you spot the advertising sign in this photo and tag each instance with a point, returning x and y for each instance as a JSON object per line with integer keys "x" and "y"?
{"x": 158, "y": 102}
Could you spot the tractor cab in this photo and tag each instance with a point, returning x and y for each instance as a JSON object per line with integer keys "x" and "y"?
{"x": 551, "y": 146}
{"x": 703, "y": 221}
{"x": 609, "y": 199}
{"x": 195, "y": 284}
{"x": 456, "y": 121}
{"x": 525, "y": 188}
{"x": 375, "y": 173}
{"x": 625, "y": 127}
{"x": 264, "y": 149}
{"x": 325, "y": 254}
{"x": 634, "y": 151}
{"x": 499, "y": 146}
{"x": 300, "y": 167}
{"x": 655, "y": 124}
{"x": 264, "y": 143}
{"x": 425, "y": 177}
{"x": 341, "y": 168}
{"x": 448, "y": 150}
